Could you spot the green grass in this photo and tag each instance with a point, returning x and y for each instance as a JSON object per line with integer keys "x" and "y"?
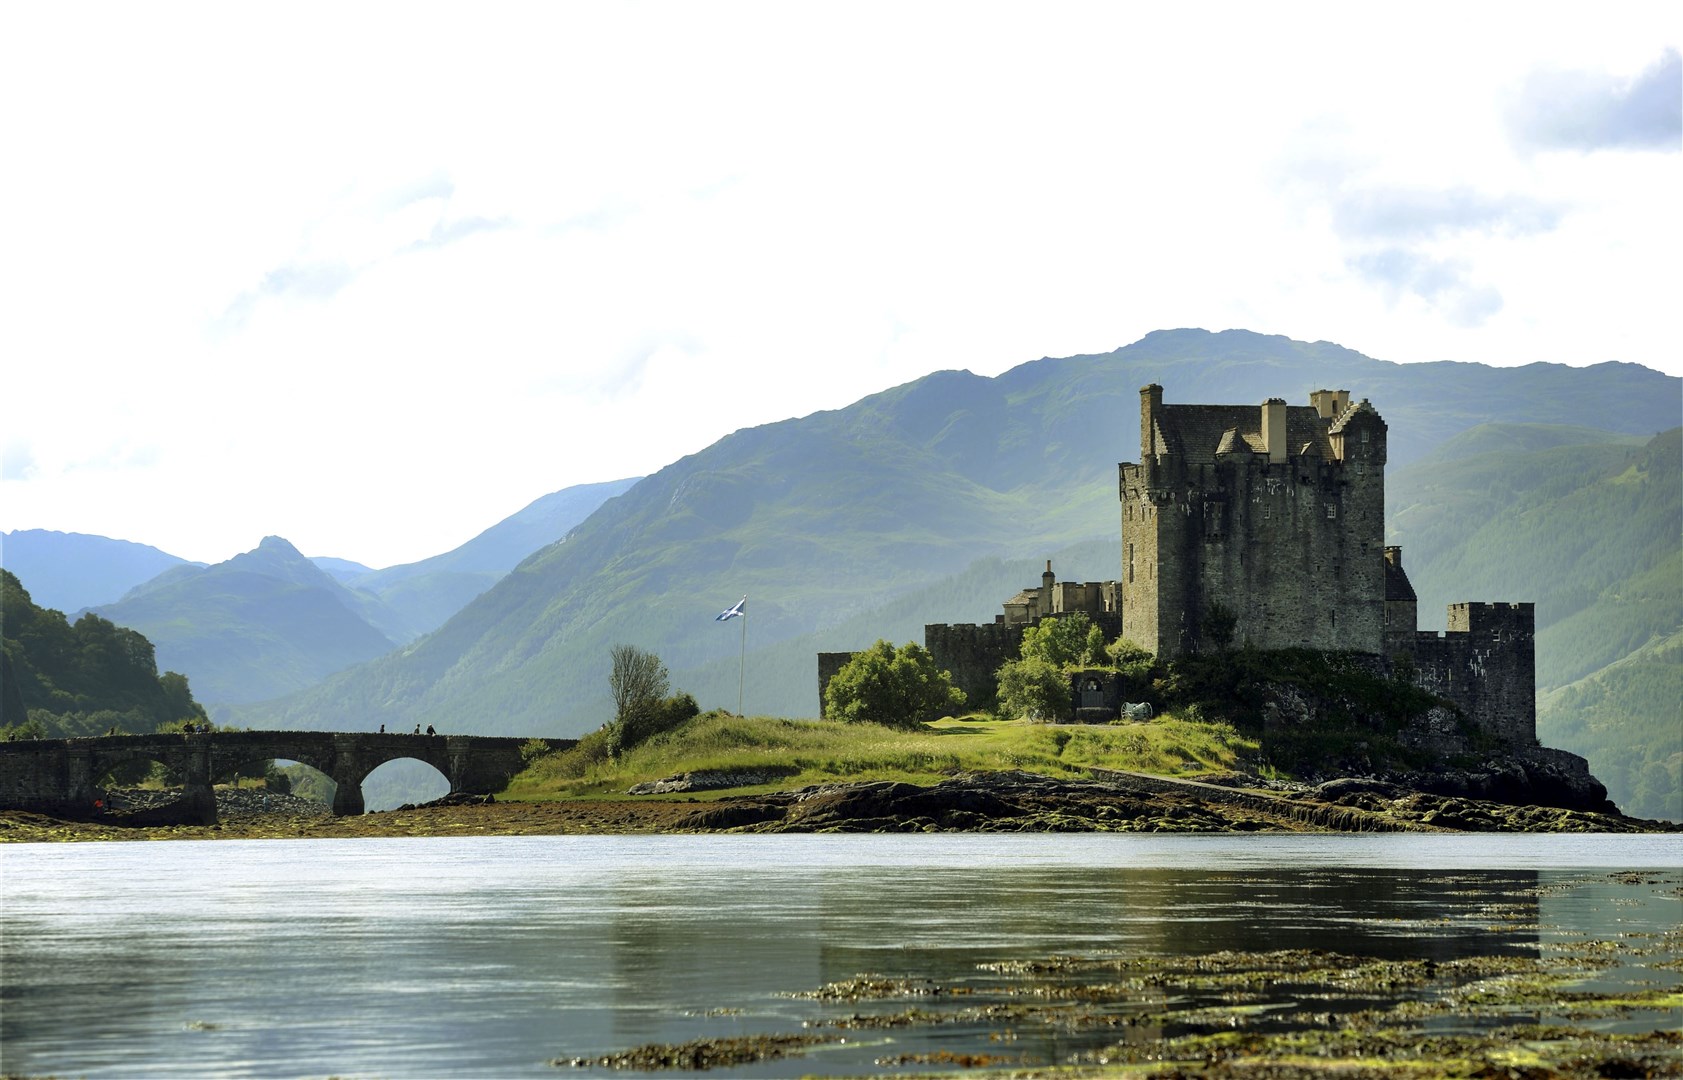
{"x": 805, "y": 752}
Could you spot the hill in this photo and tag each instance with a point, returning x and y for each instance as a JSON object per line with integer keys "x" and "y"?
{"x": 59, "y": 680}
{"x": 261, "y": 624}
{"x": 832, "y": 520}
{"x": 1588, "y": 526}
{"x": 423, "y": 594}
{"x": 72, "y": 571}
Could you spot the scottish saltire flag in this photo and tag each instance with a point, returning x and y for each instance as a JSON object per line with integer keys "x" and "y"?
{"x": 741, "y": 608}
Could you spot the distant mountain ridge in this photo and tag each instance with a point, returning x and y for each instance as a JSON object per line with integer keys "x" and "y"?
{"x": 263, "y": 623}
{"x": 827, "y": 520}
{"x": 270, "y": 621}
{"x": 71, "y": 571}
{"x": 423, "y": 594}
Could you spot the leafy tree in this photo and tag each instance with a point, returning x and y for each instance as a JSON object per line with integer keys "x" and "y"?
{"x": 637, "y": 679}
{"x": 639, "y": 683}
{"x": 1063, "y": 641}
{"x": 896, "y": 687}
{"x": 1033, "y": 688}
{"x": 1133, "y": 662}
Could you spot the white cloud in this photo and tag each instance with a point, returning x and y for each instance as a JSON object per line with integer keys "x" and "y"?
{"x": 374, "y": 277}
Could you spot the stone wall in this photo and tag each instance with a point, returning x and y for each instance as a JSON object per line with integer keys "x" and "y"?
{"x": 973, "y": 654}
{"x": 828, "y": 664}
{"x": 1486, "y": 663}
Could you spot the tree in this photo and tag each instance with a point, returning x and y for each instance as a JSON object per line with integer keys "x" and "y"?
{"x": 1132, "y": 662}
{"x": 637, "y": 679}
{"x": 1062, "y": 641}
{"x": 639, "y": 682}
{"x": 896, "y": 687}
{"x": 1033, "y": 688}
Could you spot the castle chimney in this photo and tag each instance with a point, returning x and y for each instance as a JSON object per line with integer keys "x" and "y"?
{"x": 1393, "y": 556}
{"x": 1274, "y": 429}
{"x": 1151, "y": 399}
{"x": 1330, "y": 403}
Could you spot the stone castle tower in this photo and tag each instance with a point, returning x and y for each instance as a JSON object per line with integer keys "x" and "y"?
{"x": 1271, "y": 514}
{"x": 1271, "y": 518}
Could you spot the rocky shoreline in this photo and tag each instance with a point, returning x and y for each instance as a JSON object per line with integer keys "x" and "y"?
{"x": 973, "y": 802}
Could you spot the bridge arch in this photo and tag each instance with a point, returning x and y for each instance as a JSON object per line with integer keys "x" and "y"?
{"x": 59, "y": 775}
{"x": 401, "y": 780}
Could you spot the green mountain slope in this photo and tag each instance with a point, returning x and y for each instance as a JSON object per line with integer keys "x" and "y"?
{"x": 64, "y": 679}
{"x": 264, "y": 623}
{"x": 1593, "y": 534}
{"x": 424, "y": 594}
{"x": 72, "y": 571}
{"x": 842, "y": 514}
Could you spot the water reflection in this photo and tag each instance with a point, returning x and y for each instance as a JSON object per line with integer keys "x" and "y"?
{"x": 437, "y": 958}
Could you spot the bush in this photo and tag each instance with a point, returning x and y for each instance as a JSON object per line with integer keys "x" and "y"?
{"x": 650, "y": 719}
{"x": 894, "y": 687}
{"x": 1133, "y": 662}
{"x": 1034, "y": 689}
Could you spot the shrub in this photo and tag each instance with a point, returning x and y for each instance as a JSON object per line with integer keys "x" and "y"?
{"x": 894, "y": 687}
{"x": 649, "y": 719}
{"x": 1035, "y": 689}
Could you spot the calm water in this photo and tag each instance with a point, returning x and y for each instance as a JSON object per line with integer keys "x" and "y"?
{"x": 492, "y": 956}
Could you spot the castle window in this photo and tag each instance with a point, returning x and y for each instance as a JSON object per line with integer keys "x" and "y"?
{"x": 1130, "y": 562}
{"x": 1332, "y": 510}
{"x": 1365, "y": 434}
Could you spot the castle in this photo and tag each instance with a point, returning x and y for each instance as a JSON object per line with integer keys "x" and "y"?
{"x": 1264, "y": 526}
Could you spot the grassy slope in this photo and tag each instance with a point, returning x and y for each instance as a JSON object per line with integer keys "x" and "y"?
{"x": 822, "y": 751}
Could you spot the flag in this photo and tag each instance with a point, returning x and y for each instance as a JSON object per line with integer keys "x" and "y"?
{"x": 741, "y": 608}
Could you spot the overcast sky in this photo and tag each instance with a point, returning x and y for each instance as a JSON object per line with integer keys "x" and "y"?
{"x": 372, "y": 277}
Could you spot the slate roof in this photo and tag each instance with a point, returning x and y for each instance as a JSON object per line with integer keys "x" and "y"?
{"x": 1397, "y": 585}
{"x": 1199, "y": 432}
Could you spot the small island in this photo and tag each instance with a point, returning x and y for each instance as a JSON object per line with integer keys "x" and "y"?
{"x": 1257, "y": 667}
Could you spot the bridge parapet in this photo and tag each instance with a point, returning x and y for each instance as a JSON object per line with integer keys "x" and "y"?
{"x": 61, "y": 776}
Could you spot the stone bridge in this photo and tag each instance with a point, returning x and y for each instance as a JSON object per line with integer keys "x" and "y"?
{"x": 61, "y": 776}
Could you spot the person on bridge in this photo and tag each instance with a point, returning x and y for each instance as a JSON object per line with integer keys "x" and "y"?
{"x": 430, "y": 731}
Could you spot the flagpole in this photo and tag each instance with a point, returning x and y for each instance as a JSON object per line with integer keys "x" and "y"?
{"x": 742, "y": 658}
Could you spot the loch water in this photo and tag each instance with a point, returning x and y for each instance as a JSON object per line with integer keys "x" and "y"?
{"x": 513, "y": 956}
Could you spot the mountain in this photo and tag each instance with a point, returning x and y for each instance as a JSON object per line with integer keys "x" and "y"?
{"x": 424, "y": 594}
{"x": 72, "y": 571}
{"x": 831, "y": 521}
{"x": 341, "y": 569}
{"x": 1587, "y": 525}
{"x": 264, "y": 623}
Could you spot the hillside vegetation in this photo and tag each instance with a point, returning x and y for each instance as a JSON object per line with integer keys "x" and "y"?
{"x": 1589, "y": 526}
{"x": 830, "y": 522}
{"x": 63, "y": 680}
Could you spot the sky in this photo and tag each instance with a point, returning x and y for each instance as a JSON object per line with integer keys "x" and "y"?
{"x": 372, "y": 277}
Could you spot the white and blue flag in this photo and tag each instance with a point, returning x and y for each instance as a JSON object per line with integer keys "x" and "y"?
{"x": 729, "y": 613}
